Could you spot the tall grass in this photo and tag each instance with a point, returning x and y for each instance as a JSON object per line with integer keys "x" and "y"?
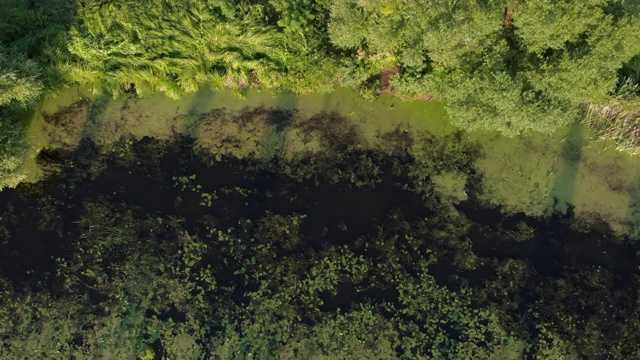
{"x": 176, "y": 47}
{"x": 617, "y": 124}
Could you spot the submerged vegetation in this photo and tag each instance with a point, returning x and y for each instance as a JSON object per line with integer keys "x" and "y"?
{"x": 161, "y": 250}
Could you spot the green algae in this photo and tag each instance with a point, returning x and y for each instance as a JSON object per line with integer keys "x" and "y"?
{"x": 536, "y": 174}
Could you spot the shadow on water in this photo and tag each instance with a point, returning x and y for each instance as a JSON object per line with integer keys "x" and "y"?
{"x": 280, "y": 118}
{"x": 558, "y": 242}
{"x": 42, "y": 226}
{"x": 200, "y": 104}
{"x": 553, "y": 244}
{"x": 563, "y": 190}
{"x": 285, "y": 101}
{"x": 633, "y": 210}
{"x": 336, "y": 212}
{"x": 201, "y": 101}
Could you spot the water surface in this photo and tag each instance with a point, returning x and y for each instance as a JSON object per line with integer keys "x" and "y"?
{"x": 534, "y": 174}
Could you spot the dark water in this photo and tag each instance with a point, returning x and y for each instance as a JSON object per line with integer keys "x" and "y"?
{"x": 556, "y": 244}
{"x": 38, "y": 219}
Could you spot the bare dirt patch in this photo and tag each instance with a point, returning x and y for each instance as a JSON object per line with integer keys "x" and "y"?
{"x": 385, "y": 79}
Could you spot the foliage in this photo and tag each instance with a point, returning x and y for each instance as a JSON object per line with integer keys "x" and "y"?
{"x": 12, "y": 146}
{"x": 629, "y": 79}
{"x": 304, "y": 18}
{"x": 31, "y": 43}
{"x": 32, "y": 35}
{"x": 520, "y": 71}
{"x": 176, "y": 47}
{"x": 19, "y": 80}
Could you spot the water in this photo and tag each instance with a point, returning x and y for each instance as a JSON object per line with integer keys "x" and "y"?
{"x": 536, "y": 175}
{"x": 169, "y": 180}
{"x": 309, "y": 173}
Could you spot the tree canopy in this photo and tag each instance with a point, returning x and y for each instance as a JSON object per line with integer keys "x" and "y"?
{"x": 512, "y": 66}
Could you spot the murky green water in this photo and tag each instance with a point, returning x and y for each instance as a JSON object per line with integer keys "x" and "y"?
{"x": 375, "y": 177}
{"x": 532, "y": 174}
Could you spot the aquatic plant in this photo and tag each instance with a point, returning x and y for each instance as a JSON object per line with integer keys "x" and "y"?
{"x": 232, "y": 280}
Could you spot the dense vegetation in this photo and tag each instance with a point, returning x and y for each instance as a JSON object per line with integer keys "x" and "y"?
{"x": 507, "y": 65}
{"x": 242, "y": 266}
{"x": 157, "y": 251}
{"x": 511, "y": 66}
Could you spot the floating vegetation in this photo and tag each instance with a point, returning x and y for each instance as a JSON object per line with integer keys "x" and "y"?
{"x": 351, "y": 252}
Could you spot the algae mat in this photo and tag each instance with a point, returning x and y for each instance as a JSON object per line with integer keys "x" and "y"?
{"x": 542, "y": 174}
{"x": 536, "y": 175}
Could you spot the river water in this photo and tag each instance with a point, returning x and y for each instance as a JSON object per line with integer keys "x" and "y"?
{"x": 326, "y": 170}
{"x": 533, "y": 174}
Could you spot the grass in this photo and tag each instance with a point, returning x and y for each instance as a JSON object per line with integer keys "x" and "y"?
{"x": 618, "y": 124}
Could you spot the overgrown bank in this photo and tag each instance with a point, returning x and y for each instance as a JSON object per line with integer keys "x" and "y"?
{"x": 159, "y": 250}
{"x": 503, "y": 65}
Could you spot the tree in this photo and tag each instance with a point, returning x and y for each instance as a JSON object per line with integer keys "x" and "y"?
{"x": 19, "y": 79}
{"x": 526, "y": 68}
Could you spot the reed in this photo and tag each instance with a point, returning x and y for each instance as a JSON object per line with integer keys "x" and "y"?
{"x": 615, "y": 123}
